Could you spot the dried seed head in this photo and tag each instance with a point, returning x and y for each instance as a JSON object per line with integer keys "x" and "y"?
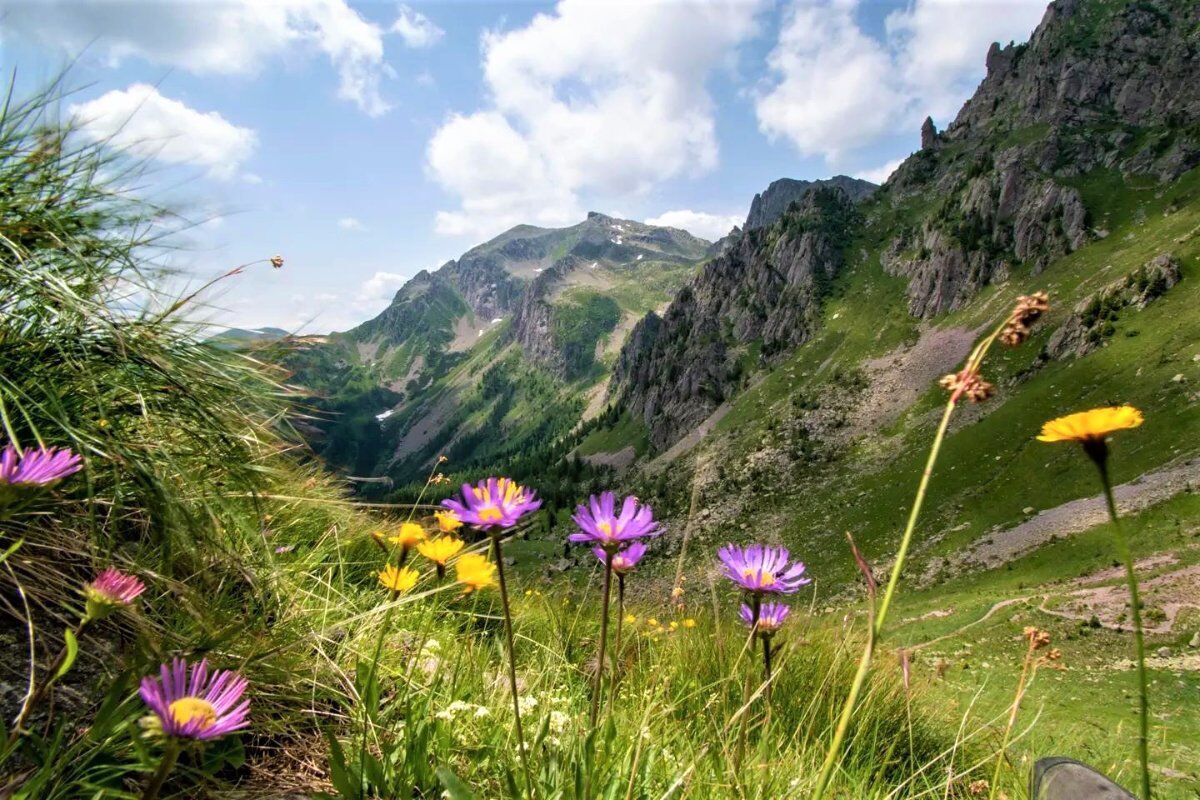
{"x": 969, "y": 385}
{"x": 1037, "y": 637}
{"x": 978, "y": 788}
{"x": 277, "y": 261}
{"x": 1029, "y": 307}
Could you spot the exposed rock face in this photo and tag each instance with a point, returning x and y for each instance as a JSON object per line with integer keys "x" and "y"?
{"x": 674, "y": 370}
{"x": 1107, "y": 85}
{"x": 1092, "y": 321}
{"x": 1003, "y": 215}
{"x": 532, "y": 324}
{"x": 770, "y": 204}
{"x": 1090, "y": 65}
{"x": 929, "y": 134}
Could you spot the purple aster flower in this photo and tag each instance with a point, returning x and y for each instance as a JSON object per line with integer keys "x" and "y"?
{"x": 111, "y": 590}
{"x": 493, "y": 503}
{"x": 39, "y": 467}
{"x": 762, "y": 569}
{"x": 599, "y": 524}
{"x": 203, "y": 707}
{"x": 771, "y": 617}
{"x": 624, "y": 559}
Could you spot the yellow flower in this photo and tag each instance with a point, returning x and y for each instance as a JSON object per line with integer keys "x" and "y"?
{"x": 447, "y": 521}
{"x": 630, "y": 619}
{"x": 475, "y": 572}
{"x": 652, "y": 621}
{"x": 674, "y": 625}
{"x": 440, "y": 550}
{"x": 411, "y": 534}
{"x": 689, "y": 623}
{"x": 398, "y": 580}
{"x": 1090, "y": 426}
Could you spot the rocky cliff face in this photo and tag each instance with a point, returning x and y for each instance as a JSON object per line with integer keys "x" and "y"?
{"x": 1094, "y": 74}
{"x": 1097, "y": 86}
{"x": 766, "y": 287}
{"x": 770, "y": 204}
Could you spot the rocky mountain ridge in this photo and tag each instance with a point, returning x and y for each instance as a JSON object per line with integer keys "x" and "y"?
{"x": 770, "y": 204}
{"x": 762, "y": 293}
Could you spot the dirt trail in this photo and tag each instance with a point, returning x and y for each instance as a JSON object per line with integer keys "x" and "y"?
{"x": 1000, "y": 546}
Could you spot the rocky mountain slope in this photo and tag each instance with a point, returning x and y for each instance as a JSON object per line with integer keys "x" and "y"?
{"x": 757, "y": 299}
{"x": 536, "y": 311}
{"x": 999, "y": 193}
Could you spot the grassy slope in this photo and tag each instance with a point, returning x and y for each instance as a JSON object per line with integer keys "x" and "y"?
{"x": 991, "y": 467}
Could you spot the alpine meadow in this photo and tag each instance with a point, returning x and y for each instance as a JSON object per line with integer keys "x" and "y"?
{"x": 888, "y": 491}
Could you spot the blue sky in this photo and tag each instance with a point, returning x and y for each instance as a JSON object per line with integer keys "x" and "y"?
{"x": 368, "y": 141}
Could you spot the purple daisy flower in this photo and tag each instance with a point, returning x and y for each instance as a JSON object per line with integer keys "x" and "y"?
{"x": 204, "y": 707}
{"x": 40, "y": 467}
{"x": 762, "y": 569}
{"x": 771, "y": 617}
{"x": 600, "y": 525}
{"x": 493, "y": 503}
{"x": 110, "y": 590}
{"x": 625, "y": 559}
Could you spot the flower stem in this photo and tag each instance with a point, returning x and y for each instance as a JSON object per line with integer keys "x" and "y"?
{"x": 766, "y": 643}
{"x": 371, "y": 673}
{"x": 616, "y": 677}
{"x": 170, "y": 755}
{"x": 512, "y": 667}
{"x": 1136, "y": 608}
{"x": 876, "y": 629}
{"x": 603, "y": 638}
{"x": 1012, "y": 719}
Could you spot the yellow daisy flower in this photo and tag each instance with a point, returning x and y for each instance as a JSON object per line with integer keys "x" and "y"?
{"x": 398, "y": 580}
{"x": 1090, "y": 426}
{"x": 689, "y": 623}
{"x": 475, "y": 572}
{"x": 447, "y": 521}
{"x": 440, "y": 550}
{"x": 411, "y": 534}
{"x": 630, "y": 619}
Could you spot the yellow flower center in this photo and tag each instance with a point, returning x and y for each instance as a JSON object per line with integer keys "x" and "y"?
{"x": 490, "y": 514}
{"x": 766, "y": 580}
{"x": 605, "y": 528}
{"x": 190, "y": 709}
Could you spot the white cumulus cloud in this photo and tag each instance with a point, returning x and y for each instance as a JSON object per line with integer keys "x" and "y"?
{"x": 834, "y": 89}
{"x": 380, "y": 286}
{"x": 351, "y": 224}
{"x": 881, "y": 173}
{"x": 231, "y": 37}
{"x": 416, "y": 29}
{"x": 698, "y": 223}
{"x": 591, "y": 98}
{"x": 142, "y": 121}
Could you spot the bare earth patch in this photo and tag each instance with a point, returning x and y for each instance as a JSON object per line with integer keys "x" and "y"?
{"x": 618, "y": 460}
{"x": 901, "y": 376}
{"x": 1168, "y": 593}
{"x": 1000, "y": 546}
